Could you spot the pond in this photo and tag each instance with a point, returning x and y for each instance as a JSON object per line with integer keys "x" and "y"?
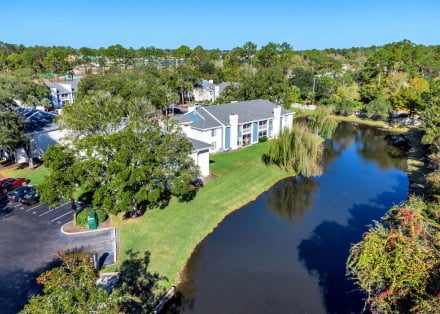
{"x": 286, "y": 251}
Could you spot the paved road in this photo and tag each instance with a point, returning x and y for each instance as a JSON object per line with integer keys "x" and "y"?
{"x": 29, "y": 236}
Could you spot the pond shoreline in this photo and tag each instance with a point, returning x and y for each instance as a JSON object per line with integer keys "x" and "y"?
{"x": 170, "y": 258}
{"x": 411, "y": 173}
{"x": 233, "y": 255}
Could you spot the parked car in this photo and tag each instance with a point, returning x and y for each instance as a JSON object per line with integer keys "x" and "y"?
{"x": 11, "y": 183}
{"x": 82, "y": 205}
{"x": 30, "y": 198}
{"x": 17, "y": 194}
{"x": 4, "y": 183}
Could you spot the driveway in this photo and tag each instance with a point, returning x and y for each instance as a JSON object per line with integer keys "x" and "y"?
{"x": 29, "y": 237}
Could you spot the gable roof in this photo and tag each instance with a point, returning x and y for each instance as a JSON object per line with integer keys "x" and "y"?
{"x": 211, "y": 86}
{"x": 64, "y": 87}
{"x": 208, "y": 117}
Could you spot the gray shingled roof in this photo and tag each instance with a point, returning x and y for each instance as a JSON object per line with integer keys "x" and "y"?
{"x": 247, "y": 111}
{"x": 62, "y": 90}
{"x": 181, "y": 118}
{"x": 198, "y": 145}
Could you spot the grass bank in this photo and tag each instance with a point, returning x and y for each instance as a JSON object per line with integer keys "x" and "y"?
{"x": 171, "y": 234}
{"x": 374, "y": 123}
{"x": 22, "y": 171}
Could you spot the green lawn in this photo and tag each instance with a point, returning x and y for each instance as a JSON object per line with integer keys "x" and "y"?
{"x": 35, "y": 176}
{"x": 374, "y": 123}
{"x": 171, "y": 234}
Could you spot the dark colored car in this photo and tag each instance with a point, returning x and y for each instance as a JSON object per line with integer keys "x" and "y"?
{"x": 10, "y": 184}
{"x": 30, "y": 198}
{"x": 18, "y": 193}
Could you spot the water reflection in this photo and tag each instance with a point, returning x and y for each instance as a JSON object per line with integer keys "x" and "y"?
{"x": 375, "y": 146}
{"x": 325, "y": 252}
{"x": 286, "y": 251}
{"x": 186, "y": 294}
{"x": 292, "y": 198}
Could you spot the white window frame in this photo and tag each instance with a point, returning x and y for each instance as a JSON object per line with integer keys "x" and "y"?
{"x": 213, "y": 132}
{"x": 262, "y": 128}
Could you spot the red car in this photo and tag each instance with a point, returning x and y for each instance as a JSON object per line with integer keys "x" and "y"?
{"x": 11, "y": 183}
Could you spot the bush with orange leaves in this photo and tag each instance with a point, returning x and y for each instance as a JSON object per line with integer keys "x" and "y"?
{"x": 397, "y": 263}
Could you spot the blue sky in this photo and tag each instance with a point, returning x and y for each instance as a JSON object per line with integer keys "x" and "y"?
{"x": 219, "y": 24}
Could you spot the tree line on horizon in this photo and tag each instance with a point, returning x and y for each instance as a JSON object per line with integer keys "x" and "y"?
{"x": 400, "y": 76}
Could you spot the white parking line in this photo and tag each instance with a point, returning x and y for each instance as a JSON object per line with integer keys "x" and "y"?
{"x": 28, "y": 210}
{"x": 17, "y": 205}
{"x": 51, "y": 210}
{"x": 61, "y": 216}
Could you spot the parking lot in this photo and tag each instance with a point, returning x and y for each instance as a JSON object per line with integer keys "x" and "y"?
{"x": 29, "y": 237}
{"x": 57, "y": 216}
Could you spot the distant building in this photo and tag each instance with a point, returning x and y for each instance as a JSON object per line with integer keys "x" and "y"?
{"x": 62, "y": 92}
{"x": 233, "y": 125}
{"x": 42, "y": 131}
{"x": 208, "y": 91}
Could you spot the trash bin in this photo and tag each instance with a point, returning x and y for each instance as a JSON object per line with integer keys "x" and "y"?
{"x": 92, "y": 220}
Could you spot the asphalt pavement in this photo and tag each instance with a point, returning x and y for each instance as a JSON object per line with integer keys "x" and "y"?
{"x": 29, "y": 238}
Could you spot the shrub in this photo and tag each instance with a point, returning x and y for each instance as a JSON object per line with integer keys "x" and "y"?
{"x": 379, "y": 107}
{"x": 81, "y": 218}
{"x": 262, "y": 139}
{"x": 397, "y": 262}
{"x": 347, "y": 107}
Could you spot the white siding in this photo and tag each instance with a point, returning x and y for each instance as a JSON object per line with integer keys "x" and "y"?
{"x": 289, "y": 121}
{"x": 202, "y": 160}
{"x": 41, "y": 142}
{"x": 205, "y": 136}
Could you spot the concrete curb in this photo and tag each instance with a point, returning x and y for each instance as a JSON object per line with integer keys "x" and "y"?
{"x": 82, "y": 232}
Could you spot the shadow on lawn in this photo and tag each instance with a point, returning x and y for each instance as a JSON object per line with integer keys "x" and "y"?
{"x": 137, "y": 282}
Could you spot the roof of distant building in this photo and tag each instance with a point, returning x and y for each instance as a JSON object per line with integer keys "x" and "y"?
{"x": 211, "y": 86}
{"x": 208, "y": 117}
{"x": 37, "y": 121}
{"x": 62, "y": 87}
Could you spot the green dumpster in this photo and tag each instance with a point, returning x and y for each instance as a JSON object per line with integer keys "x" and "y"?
{"x": 92, "y": 220}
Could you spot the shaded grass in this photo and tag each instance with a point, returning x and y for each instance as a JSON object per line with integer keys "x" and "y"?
{"x": 18, "y": 171}
{"x": 171, "y": 234}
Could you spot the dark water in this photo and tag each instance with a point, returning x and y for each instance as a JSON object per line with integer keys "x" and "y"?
{"x": 286, "y": 251}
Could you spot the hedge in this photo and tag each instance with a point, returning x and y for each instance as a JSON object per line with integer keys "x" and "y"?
{"x": 81, "y": 218}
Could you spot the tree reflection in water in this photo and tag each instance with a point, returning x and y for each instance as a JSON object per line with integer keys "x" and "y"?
{"x": 376, "y": 148}
{"x": 293, "y": 198}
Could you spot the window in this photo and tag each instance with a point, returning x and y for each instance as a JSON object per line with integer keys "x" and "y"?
{"x": 270, "y": 128}
{"x": 262, "y": 125}
{"x": 262, "y": 133}
{"x": 262, "y": 129}
{"x": 247, "y": 128}
{"x": 214, "y": 145}
{"x": 213, "y": 132}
